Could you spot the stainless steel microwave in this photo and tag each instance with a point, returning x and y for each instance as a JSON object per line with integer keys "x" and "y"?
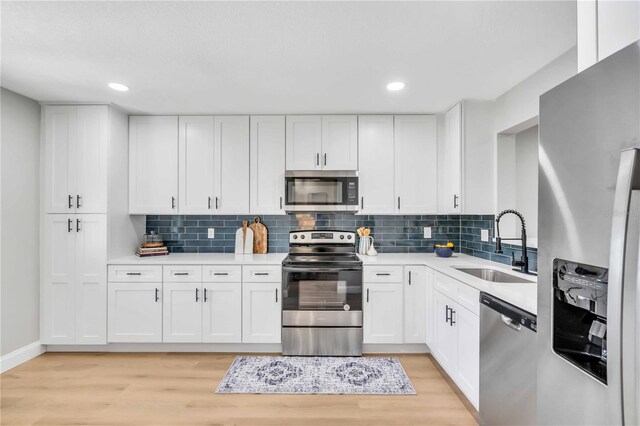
{"x": 321, "y": 191}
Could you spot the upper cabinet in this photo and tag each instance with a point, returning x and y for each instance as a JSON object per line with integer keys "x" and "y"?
{"x": 376, "y": 169}
{"x": 153, "y": 165}
{"x": 267, "y": 152}
{"x": 450, "y": 174}
{"x": 231, "y": 166}
{"x": 75, "y": 160}
{"x": 196, "y": 159}
{"x": 416, "y": 164}
{"x": 316, "y": 142}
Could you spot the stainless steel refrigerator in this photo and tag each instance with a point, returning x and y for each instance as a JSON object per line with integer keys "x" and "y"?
{"x": 589, "y": 215}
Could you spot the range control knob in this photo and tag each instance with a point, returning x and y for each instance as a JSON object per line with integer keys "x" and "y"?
{"x": 342, "y": 237}
{"x": 302, "y": 237}
{"x": 295, "y": 237}
{"x": 349, "y": 237}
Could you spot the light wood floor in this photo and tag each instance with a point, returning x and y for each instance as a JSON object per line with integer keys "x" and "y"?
{"x": 160, "y": 388}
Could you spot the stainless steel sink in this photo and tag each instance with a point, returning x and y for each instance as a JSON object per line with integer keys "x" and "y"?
{"x": 493, "y": 275}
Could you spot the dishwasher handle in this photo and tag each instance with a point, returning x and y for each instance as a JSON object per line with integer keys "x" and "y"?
{"x": 511, "y": 323}
{"x": 512, "y": 316}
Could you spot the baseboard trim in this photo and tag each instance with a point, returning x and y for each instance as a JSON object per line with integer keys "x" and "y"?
{"x": 405, "y": 348}
{"x": 20, "y": 356}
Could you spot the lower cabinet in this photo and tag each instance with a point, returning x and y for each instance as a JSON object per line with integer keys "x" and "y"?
{"x": 382, "y": 311}
{"x": 261, "y": 312}
{"x": 135, "y": 312}
{"x": 456, "y": 344}
{"x": 222, "y": 313}
{"x": 182, "y": 312}
{"x": 415, "y": 304}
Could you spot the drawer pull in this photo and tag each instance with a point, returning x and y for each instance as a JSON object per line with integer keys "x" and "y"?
{"x": 261, "y": 273}
{"x": 180, "y": 273}
{"x": 383, "y": 274}
{"x": 221, "y": 273}
{"x": 134, "y": 273}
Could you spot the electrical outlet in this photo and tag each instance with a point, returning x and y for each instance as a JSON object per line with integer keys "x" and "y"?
{"x": 427, "y": 232}
{"x": 484, "y": 235}
{"x": 211, "y": 233}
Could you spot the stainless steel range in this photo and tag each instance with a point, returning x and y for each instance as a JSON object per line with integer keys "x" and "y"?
{"x": 322, "y": 295}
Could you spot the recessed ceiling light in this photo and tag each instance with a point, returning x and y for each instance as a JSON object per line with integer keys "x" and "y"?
{"x": 395, "y": 86}
{"x": 119, "y": 87}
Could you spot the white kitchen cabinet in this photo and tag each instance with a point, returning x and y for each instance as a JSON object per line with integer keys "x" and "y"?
{"x": 153, "y": 165}
{"x": 267, "y": 153}
{"x": 303, "y": 142}
{"x": 135, "y": 312}
{"x": 445, "y": 348}
{"x": 415, "y": 304}
{"x": 74, "y": 279}
{"x": 196, "y": 165}
{"x": 222, "y": 312}
{"x": 182, "y": 312}
{"x": 416, "y": 164}
{"x": 261, "y": 312}
{"x": 382, "y": 311}
{"x": 429, "y": 326}
{"x": 231, "y": 144}
{"x": 75, "y": 158}
{"x": 339, "y": 142}
{"x": 376, "y": 164}
{"x": 450, "y": 170}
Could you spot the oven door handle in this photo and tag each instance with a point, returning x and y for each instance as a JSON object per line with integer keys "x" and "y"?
{"x": 327, "y": 269}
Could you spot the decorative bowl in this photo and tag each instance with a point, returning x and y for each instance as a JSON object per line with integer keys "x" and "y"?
{"x": 444, "y": 251}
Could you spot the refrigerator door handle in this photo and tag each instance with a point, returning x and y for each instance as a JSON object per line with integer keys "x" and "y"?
{"x": 628, "y": 181}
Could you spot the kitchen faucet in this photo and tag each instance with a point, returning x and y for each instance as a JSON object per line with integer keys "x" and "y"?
{"x": 523, "y": 263}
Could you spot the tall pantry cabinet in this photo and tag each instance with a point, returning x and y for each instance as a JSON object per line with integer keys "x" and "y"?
{"x": 84, "y": 158}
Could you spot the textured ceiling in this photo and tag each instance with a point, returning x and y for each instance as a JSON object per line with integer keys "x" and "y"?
{"x": 278, "y": 57}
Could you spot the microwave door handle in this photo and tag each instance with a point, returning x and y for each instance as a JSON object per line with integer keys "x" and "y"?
{"x": 628, "y": 181}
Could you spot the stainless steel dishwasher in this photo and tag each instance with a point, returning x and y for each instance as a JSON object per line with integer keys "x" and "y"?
{"x": 507, "y": 363}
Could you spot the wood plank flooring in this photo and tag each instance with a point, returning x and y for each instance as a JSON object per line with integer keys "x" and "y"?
{"x": 178, "y": 388}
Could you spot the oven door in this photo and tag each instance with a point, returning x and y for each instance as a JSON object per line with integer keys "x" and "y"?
{"x": 321, "y": 296}
{"x": 321, "y": 193}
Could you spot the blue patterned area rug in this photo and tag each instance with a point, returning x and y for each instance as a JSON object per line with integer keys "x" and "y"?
{"x": 316, "y": 375}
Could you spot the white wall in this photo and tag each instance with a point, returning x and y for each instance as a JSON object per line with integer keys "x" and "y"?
{"x": 526, "y": 173}
{"x": 19, "y": 221}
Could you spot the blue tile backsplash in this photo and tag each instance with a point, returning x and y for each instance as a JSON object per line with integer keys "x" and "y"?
{"x": 392, "y": 233}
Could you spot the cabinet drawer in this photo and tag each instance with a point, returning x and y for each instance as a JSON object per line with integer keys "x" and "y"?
{"x": 182, "y": 273}
{"x": 383, "y": 274}
{"x": 469, "y": 297}
{"x": 222, "y": 273}
{"x": 135, "y": 273}
{"x": 262, "y": 274}
{"x": 446, "y": 285}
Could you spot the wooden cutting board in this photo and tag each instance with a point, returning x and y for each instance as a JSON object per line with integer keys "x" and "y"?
{"x": 259, "y": 236}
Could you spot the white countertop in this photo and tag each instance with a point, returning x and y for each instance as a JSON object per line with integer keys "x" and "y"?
{"x": 523, "y": 295}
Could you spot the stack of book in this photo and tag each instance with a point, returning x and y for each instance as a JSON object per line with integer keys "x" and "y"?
{"x": 152, "y": 251}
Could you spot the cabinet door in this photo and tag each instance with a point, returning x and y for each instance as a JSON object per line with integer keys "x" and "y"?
{"x": 58, "y": 321}
{"x": 339, "y": 142}
{"x": 376, "y": 164}
{"x": 468, "y": 373}
{"x": 196, "y": 165}
{"x": 267, "y": 164}
{"x": 383, "y": 313}
{"x": 89, "y": 159}
{"x": 181, "y": 312}
{"x": 450, "y": 170}
{"x": 445, "y": 339}
{"x": 153, "y": 165}
{"x": 222, "y": 313}
{"x": 415, "y": 304}
{"x": 261, "y": 312}
{"x": 135, "y": 312}
{"x": 416, "y": 164}
{"x": 304, "y": 142}
{"x": 429, "y": 279}
{"x": 91, "y": 278}
{"x": 231, "y": 138}
{"x": 59, "y": 141}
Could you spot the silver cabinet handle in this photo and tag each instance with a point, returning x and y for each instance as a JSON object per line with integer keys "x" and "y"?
{"x": 446, "y": 313}
{"x": 261, "y": 273}
{"x": 157, "y": 294}
{"x": 205, "y": 296}
{"x": 383, "y": 274}
{"x": 317, "y": 159}
{"x": 409, "y": 277}
{"x": 362, "y": 203}
{"x": 78, "y": 201}
{"x": 78, "y": 221}
{"x": 276, "y": 295}
{"x": 180, "y": 273}
{"x": 280, "y": 203}
{"x": 173, "y": 203}
{"x": 451, "y": 321}
{"x": 398, "y": 203}
{"x": 197, "y": 299}
{"x": 221, "y": 273}
{"x": 70, "y": 201}
{"x": 627, "y": 181}
{"x": 367, "y": 295}
{"x": 216, "y": 203}
{"x": 69, "y": 225}
{"x": 455, "y": 201}
{"x": 209, "y": 204}
{"x": 134, "y": 273}
{"x": 325, "y": 159}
